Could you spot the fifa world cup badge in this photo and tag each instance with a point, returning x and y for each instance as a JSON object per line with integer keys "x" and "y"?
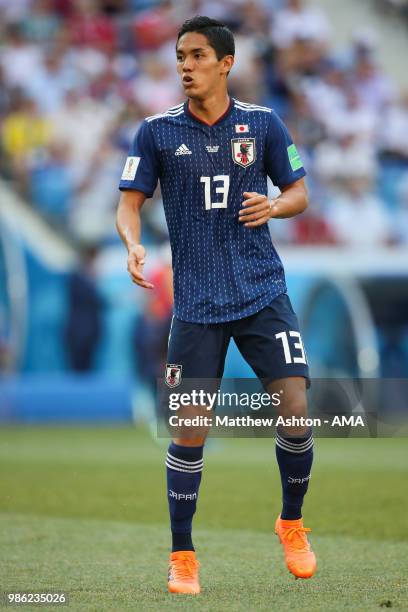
{"x": 243, "y": 151}
{"x": 129, "y": 171}
{"x": 173, "y": 375}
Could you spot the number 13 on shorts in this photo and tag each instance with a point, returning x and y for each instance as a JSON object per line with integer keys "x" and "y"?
{"x": 293, "y": 350}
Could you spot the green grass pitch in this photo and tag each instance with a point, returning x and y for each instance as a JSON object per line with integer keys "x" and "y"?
{"x": 84, "y": 511}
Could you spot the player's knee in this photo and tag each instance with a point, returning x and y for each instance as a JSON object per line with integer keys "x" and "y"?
{"x": 297, "y": 407}
{"x": 295, "y": 411}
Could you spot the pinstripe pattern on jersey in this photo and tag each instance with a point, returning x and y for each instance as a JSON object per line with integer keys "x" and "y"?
{"x": 222, "y": 270}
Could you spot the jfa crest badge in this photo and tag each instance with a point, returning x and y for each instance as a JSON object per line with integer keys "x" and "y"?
{"x": 173, "y": 374}
{"x": 243, "y": 151}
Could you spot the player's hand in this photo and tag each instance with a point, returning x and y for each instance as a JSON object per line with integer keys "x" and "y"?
{"x": 136, "y": 260}
{"x": 256, "y": 209}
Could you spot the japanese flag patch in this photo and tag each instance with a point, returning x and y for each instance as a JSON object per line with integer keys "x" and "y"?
{"x": 241, "y": 128}
{"x": 129, "y": 171}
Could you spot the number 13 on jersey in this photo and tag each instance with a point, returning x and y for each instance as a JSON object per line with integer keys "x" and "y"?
{"x": 222, "y": 188}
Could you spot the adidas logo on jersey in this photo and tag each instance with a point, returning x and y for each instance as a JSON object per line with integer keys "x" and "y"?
{"x": 183, "y": 150}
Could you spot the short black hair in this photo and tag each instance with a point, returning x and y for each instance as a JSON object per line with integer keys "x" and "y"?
{"x": 219, "y": 36}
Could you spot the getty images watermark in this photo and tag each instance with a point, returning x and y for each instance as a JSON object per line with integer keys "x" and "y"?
{"x": 252, "y": 401}
{"x": 246, "y": 408}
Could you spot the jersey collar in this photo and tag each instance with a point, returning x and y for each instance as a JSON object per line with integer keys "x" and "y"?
{"x": 220, "y": 120}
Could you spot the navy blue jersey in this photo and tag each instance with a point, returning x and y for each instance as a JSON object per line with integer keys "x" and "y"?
{"x": 222, "y": 270}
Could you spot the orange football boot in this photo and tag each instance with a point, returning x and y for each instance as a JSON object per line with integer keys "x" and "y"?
{"x": 183, "y": 572}
{"x": 299, "y": 557}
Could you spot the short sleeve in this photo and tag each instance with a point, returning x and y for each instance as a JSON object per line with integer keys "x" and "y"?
{"x": 282, "y": 160}
{"x": 141, "y": 171}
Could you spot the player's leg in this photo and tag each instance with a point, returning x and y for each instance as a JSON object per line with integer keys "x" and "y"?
{"x": 199, "y": 350}
{"x": 294, "y": 454}
{"x": 271, "y": 343}
{"x": 294, "y": 445}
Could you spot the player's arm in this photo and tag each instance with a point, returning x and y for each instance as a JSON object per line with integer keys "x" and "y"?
{"x": 138, "y": 182}
{"x": 285, "y": 168}
{"x": 128, "y": 224}
{"x": 292, "y": 201}
{"x": 257, "y": 209}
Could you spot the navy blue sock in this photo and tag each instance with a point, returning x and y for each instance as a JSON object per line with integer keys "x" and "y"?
{"x": 184, "y": 467}
{"x": 295, "y": 458}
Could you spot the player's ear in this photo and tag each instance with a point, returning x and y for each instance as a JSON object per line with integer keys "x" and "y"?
{"x": 227, "y": 63}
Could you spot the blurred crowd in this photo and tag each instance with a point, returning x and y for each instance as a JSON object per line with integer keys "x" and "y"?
{"x": 77, "y": 77}
{"x": 396, "y": 8}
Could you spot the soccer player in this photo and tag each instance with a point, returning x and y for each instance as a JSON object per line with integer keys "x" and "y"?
{"x": 212, "y": 155}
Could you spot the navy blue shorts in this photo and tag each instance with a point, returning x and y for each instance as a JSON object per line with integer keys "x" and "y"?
{"x": 268, "y": 340}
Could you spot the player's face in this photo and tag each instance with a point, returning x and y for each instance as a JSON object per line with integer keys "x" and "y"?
{"x": 197, "y": 64}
